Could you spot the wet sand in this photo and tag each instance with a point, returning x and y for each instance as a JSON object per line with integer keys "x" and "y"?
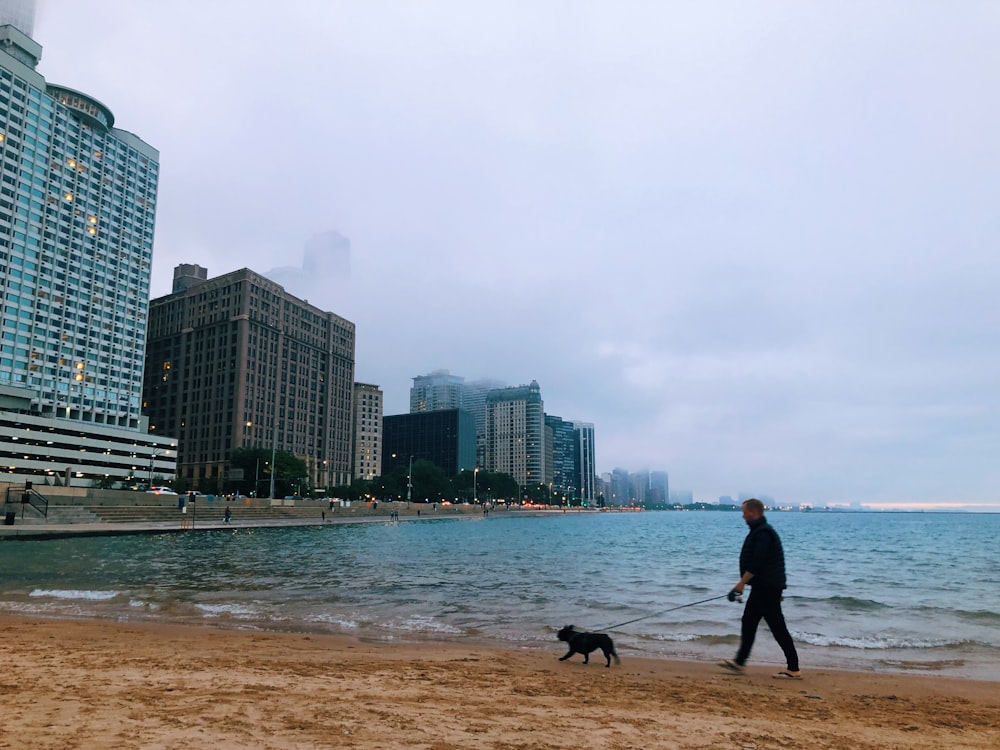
{"x": 88, "y": 684}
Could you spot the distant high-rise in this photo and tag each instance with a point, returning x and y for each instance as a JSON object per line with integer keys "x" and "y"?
{"x": 187, "y": 275}
{"x": 441, "y": 390}
{"x": 515, "y": 433}
{"x": 621, "y": 487}
{"x": 659, "y": 488}
{"x": 77, "y": 208}
{"x": 445, "y": 437}
{"x": 238, "y": 362}
{"x": 367, "y": 431}
{"x": 585, "y": 467}
{"x": 474, "y": 402}
{"x": 638, "y": 487}
{"x": 325, "y": 269}
{"x": 437, "y": 391}
{"x": 20, "y": 14}
{"x": 560, "y": 455}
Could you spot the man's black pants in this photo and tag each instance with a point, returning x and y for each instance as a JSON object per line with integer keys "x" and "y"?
{"x": 765, "y": 604}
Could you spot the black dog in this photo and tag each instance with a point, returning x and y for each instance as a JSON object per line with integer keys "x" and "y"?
{"x": 584, "y": 643}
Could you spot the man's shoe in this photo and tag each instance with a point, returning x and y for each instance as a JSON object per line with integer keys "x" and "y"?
{"x": 731, "y": 666}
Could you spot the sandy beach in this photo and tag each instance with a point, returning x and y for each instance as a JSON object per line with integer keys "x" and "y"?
{"x": 88, "y": 684}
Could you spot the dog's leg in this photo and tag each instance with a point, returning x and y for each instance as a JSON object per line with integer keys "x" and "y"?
{"x": 568, "y": 654}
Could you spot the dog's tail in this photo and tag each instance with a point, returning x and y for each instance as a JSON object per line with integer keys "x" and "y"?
{"x": 614, "y": 654}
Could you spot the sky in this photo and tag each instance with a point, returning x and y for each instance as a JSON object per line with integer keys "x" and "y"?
{"x": 753, "y": 243}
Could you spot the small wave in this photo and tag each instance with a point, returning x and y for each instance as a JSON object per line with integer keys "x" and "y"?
{"x": 142, "y": 604}
{"x": 852, "y": 604}
{"x": 75, "y": 594}
{"x": 677, "y": 637}
{"x": 227, "y": 610}
{"x": 925, "y": 666}
{"x": 981, "y": 616}
{"x": 426, "y": 625}
{"x": 23, "y": 608}
{"x": 867, "y": 643}
{"x": 337, "y": 620}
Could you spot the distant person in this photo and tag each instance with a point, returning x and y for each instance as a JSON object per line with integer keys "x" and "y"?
{"x": 762, "y": 566}
{"x": 228, "y": 515}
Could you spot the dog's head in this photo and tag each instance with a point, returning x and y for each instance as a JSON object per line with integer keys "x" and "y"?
{"x": 566, "y": 633}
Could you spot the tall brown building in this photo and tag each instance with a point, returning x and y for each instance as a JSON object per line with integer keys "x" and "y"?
{"x": 237, "y": 362}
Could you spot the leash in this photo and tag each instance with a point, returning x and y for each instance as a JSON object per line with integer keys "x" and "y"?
{"x": 663, "y": 612}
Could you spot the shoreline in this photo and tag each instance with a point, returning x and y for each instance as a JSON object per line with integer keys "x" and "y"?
{"x": 80, "y": 683}
{"x": 767, "y": 657}
{"x": 455, "y": 607}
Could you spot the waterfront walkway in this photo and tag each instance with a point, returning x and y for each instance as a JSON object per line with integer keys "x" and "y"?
{"x": 72, "y": 521}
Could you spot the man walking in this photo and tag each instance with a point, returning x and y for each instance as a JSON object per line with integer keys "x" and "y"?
{"x": 762, "y": 566}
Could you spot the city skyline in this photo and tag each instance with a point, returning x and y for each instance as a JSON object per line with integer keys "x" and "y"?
{"x": 753, "y": 249}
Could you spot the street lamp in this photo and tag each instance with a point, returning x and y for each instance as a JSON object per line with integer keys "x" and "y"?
{"x": 475, "y": 473}
{"x": 274, "y": 448}
{"x": 152, "y": 457}
{"x": 409, "y": 482}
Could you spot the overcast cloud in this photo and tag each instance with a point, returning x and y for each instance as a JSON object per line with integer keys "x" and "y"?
{"x": 753, "y": 243}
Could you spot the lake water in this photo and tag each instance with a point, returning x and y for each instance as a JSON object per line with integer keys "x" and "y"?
{"x": 901, "y": 592}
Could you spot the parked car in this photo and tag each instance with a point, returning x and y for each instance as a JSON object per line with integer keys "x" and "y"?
{"x": 160, "y": 491}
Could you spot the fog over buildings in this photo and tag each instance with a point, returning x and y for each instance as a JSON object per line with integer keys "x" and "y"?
{"x": 325, "y": 270}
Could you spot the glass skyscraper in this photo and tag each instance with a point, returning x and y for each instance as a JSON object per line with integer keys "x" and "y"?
{"x": 77, "y": 207}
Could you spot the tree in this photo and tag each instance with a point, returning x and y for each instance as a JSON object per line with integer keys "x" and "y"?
{"x": 391, "y": 486}
{"x": 356, "y": 490}
{"x": 492, "y": 485}
{"x": 256, "y": 465}
{"x": 538, "y": 493}
{"x": 430, "y": 484}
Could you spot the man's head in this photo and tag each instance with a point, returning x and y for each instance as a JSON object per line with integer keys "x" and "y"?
{"x": 752, "y": 509}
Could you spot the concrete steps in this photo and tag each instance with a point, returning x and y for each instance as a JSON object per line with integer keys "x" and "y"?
{"x": 207, "y": 511}
{"x": 158, "y": 511}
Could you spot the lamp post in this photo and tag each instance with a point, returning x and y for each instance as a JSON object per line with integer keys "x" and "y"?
{"x": 152, "y": 457}
{"x": 409, "y": 482}
{"x": 256, "y": 471}
{"x": 274, "y": 448}
{"x": 475, "y": 472}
